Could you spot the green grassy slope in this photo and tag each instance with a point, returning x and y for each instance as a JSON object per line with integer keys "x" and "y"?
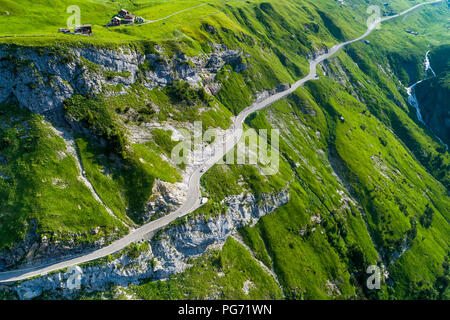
{"x": 405, "y": 54}
{"x": 368, "y": 183}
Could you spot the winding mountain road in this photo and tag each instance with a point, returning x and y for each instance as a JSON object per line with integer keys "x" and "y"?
{"x": 193, "y": 201}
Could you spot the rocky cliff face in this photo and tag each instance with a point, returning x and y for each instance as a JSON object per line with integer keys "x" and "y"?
{"x": 167, "y": 253}
{"x": 40, "y": 79}
{"x": 433, "y": 96}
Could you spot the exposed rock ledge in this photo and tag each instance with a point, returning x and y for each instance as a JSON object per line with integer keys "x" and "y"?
{"x": 168, "y": 252}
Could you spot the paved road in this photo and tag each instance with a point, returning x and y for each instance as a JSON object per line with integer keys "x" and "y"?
{"x": 171, "y": 15}
{"x": 193, "y": 200}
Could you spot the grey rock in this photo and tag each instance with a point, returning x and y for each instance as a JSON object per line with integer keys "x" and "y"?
{"x": 168, "y": 254}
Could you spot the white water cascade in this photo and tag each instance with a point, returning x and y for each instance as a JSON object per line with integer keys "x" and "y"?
{"x": 412, "y": 99}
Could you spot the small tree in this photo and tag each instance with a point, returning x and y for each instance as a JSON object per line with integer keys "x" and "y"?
{"x": 427, "y": 218}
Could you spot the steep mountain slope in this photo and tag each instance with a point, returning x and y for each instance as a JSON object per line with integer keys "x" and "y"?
{"x": 361, "y": 181}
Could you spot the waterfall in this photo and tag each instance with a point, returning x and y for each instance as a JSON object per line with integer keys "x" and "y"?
{"x": 412, "y": 99}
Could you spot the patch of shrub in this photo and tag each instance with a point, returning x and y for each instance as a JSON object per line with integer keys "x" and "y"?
{"x": 94, "y": 114}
